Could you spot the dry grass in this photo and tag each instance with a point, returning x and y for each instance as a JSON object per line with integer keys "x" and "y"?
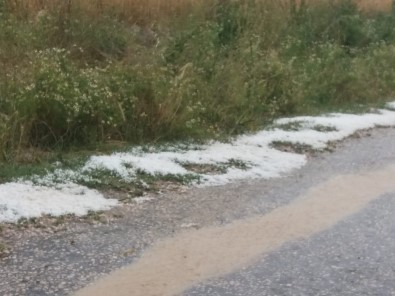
{"x": 375, "y": 5}
{"x": 146, "y": 11}
{"x": 371, "y": 5}
{"x": 133, "y": 10}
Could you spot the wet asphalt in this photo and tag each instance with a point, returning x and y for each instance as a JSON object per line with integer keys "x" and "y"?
{"x": 356, "y": 257}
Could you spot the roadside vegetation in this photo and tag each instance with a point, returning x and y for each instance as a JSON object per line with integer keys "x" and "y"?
{"x": 81, "y": 74}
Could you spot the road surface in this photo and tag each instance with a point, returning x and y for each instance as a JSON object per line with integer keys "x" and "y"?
{"x": 327, "y": 229}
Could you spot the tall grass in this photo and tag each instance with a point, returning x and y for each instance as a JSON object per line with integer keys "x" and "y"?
{"x": 137, "y": 11}
{"x": 148, "y": 11}
{"x": 81, "y": 73}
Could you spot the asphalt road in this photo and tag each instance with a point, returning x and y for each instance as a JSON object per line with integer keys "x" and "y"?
{"x": 352, "y": 253}
{"x": 356, "y": 257}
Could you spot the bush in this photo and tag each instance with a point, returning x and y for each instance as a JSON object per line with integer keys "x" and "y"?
{"x": 83, "y": 78}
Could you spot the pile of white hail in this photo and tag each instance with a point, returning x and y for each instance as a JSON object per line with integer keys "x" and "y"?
{"x": 258, "y": 154}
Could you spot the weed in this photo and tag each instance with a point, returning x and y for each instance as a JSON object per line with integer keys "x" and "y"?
{"x": 3, "y": 249}
{"x": 323, "y": 128}
{"x": 235, "y": 163}
{"x": 97, "y": 217}
{"x": 292, "y": 147}
{"x": 82, "y": 74}
{"x": 291, "y": 126}
{"x": 205, "y": 168}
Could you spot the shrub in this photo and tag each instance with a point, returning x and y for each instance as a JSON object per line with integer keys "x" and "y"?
{"x": 84, "y": 74}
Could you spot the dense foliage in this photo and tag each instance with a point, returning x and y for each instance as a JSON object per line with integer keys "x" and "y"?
{"x": 70, "y": 78}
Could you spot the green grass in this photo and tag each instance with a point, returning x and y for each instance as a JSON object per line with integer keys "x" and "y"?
{"x": 81, "y": 82}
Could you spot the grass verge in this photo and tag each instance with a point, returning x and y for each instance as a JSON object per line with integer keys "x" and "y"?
{"x": 85, "y": 74}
